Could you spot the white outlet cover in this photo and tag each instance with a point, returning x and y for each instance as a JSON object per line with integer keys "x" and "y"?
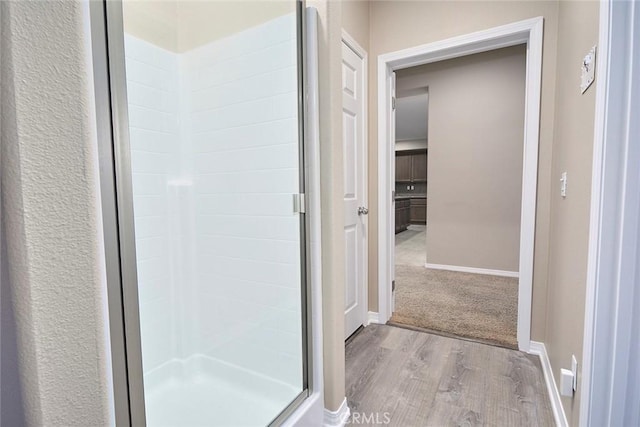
{"x": 574, "y": 370}
{"x": 566, "y": 382}
{"x": 588, "y": 70}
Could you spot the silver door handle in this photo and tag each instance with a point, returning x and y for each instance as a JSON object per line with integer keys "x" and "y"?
{"x": 362, "y": 210}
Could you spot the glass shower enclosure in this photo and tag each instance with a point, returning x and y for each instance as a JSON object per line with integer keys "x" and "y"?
{"x": 209, "y": 226}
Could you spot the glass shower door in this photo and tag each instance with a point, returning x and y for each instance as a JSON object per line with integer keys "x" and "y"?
{"x": 212, "y": 116}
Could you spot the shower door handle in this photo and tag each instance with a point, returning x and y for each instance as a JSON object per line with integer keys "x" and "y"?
{"x": 362, "y": 210}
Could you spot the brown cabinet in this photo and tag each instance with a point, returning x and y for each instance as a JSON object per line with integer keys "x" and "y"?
{"x": 419, "y": 167}
{"x": 411, "y": 166}
{"x": 403, "y": 214}
{"x": 418, "y": 211}
{"x": 403, "y": 168}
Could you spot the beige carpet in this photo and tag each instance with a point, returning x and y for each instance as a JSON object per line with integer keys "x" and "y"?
{"x": 475, "y": 306}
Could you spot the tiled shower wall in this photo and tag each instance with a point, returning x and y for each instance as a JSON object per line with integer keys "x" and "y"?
{"x": 153, "y": 95}
{"x": 242, "y": 105}
{"x": 236, "y": 296}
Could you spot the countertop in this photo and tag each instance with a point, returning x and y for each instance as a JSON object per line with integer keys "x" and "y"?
{"x": 408, "y": 196}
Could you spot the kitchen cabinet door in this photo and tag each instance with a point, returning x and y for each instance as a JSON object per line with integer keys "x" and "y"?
{"x": 418, "y": 214}
{"x": 419, "y": 167}
{"x": 403, "y": 168}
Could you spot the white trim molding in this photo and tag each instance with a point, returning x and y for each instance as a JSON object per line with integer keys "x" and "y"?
{"x": 337, "y": 418}
{"x": 611, "y": 354}
{"x": 539, "y": 349}
{"x": 474, "y": 270}
{"x": 373, "y": 317}
{"x": 527, "y": 32}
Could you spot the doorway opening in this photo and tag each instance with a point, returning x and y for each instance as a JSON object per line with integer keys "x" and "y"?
{"x": 525, "y": 35}
{"x": 458, "y": 183}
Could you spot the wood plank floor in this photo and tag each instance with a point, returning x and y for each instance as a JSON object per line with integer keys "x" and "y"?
{"x": 420, "y": 379}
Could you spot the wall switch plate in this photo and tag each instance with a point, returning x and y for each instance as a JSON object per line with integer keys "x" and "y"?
{"x": 588, "y": 70}
{"x": 574, "y": 370}
{"x": 563, "y": 184}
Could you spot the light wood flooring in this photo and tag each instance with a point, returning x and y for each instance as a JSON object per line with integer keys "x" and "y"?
{"x": 420, "y": 379}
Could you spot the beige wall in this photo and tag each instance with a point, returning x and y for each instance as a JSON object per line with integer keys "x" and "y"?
{"x": 202, "y": 22}
{"x": 474, "y": 184}
{"x": 183, "y": 25}
{"x": 153, "y": 21}
{"x": 330, "y": 97}
{"x": 572, "y": 152}
{"x": 397, "y": 25}
{"x": 411, "y": 144}
{"x": 355, "y": 21}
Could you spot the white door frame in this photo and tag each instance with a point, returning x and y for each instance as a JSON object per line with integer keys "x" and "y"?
{"x": 611, "y": 369}
{"x": 527, "y": 32}
{"x": 362, "y": 54}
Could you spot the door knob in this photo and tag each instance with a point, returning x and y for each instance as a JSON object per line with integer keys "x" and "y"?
{"x": 362, "y": 210}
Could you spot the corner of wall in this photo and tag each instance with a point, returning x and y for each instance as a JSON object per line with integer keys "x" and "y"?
{"x": 330, "y": 102}
{"x": 53, "y": 250}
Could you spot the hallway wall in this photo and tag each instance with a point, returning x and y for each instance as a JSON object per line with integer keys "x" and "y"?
{"x": 474, "y": 182}
{"x": 566, "y": 144}
{"x": 355, "y": 21}
{"x": 398, "y": 25}
{"x": 569, "y": 217}
{"x": 331, "y": 181}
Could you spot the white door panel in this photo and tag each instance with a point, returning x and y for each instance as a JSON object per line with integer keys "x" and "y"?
{"x": 354, "y": 156}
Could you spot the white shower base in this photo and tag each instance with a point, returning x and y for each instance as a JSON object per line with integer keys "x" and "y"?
{"x": 203, "y": 391}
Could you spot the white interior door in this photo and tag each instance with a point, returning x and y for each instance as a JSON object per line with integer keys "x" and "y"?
{"x": 355, "y": 206}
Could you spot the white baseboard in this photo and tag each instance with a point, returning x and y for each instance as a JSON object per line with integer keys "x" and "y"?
{"x": 538, "y": 349}
{"x": 373, "y": 317}
{"x": 473, "y": 270}
{"x": 337, "y": 418}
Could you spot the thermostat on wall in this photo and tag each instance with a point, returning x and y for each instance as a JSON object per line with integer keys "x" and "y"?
{"x": 588, "y": 70}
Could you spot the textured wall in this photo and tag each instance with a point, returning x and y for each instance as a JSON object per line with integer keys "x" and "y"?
{"x": 474, "y": 184}
{"x": 51, "y": 211}
{"x": 11, "y": 400}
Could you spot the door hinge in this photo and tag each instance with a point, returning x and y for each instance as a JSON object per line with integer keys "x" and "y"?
{"x": 299, "y": 203}
{"x": 393, "y": 196}
{"x": 393, "y": 103}
{"x": 393, "y": 285}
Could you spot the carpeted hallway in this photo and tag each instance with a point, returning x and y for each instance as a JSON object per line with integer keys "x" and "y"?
{"x": 479, "y": 307}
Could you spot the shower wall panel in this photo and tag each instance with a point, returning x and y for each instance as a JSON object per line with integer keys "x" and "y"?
{"x": 152, "y": 74}
{"x": 214, "y": 139}
{"x": 241, "y": 100}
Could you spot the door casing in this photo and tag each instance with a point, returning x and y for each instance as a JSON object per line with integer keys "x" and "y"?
{"x": 527, "y": 32}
